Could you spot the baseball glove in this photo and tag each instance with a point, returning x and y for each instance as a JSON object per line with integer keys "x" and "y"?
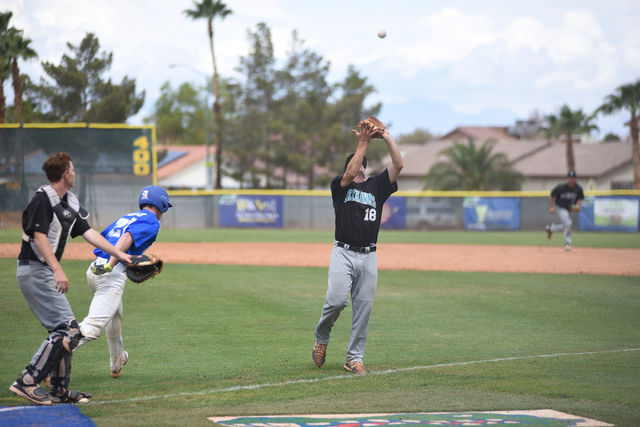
{"x": 143, "y": 267}
{"x": 374, "y": 125}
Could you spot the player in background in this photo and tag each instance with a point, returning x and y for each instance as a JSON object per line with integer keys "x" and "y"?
{"x": 52, "y": 216}
{"x": 132, "y": 233}
{"x": 567, "y": 197}
{"x": 353, "y": 268}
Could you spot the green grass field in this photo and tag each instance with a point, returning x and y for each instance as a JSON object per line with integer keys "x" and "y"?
{"x": 522, "y": 238}
{"x": 200, "y": 339}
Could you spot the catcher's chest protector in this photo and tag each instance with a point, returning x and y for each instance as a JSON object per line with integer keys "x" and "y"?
{"x": 63, "y": 221}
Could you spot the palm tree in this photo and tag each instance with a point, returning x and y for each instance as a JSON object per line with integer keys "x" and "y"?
{"x": 568, "y": 123}
{"x": 471, "y": 168}
{"x": 4, "y": 60}
{"x": 210, "y": 10}
{"x": 18, "y": 48}
{"x": 627, "y": 97}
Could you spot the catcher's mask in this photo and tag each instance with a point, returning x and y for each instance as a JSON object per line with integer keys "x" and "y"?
{"x": 346, "y": 163}
{"x": 156, "y": 196}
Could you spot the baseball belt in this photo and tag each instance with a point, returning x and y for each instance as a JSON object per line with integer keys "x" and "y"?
{"x": 359, "y": 249}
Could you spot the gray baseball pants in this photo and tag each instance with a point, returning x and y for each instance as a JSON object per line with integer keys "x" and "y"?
{"x": 356, "y": 274}
{"x": 565, "y": 227}
{"x": 52, "y": 308}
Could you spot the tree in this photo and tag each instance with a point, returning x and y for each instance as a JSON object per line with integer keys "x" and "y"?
{"x": 209, "y": 10}
{"x": 345, "y": 114}
{"x": 417, "y": 137}
{"x": 5, "y": 60}
{"x": 252, "y": 147}
{"x": 627, "y": 97}
{"x": 179, "y": 115}
{"x": 471, "y": 168}
{"x": 79, "y": 92}
{"x": 18, "y": 48}
{"x": 611, "y": 137}
{"x": 568, "y": 123}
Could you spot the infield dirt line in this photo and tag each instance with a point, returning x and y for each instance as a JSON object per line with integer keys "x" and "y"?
{"x": 351, "y": 376}
{"x": 392, "y": 256}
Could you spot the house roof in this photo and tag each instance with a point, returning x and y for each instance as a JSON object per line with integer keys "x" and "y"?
{"x": 591, "y": 160}
{"x": 480, "y": 133}
{"x": 180, "y": 157}
{"x": 418, "y": 159}
{"x": 183, "y": 156}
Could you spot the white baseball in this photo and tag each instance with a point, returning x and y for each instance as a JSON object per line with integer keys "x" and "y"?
{"x": 382, "y": 34}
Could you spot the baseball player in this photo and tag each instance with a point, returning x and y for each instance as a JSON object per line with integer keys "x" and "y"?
{"x": 353, "y": 268}
{"x": 132, "y": 233}
{"x": 51, "y": 217}
{"x": 567, "y": 197}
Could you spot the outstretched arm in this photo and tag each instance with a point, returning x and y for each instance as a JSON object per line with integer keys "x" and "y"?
{"x": 397, "y": 163}
{"x": 364, "y": 137}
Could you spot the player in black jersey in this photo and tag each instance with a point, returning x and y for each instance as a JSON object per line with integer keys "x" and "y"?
{"x": 353, "y": 269}
{"x": 567, "y": 197}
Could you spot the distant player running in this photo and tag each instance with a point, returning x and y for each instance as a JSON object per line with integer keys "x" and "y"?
{"x": 133, "y": 233}
{"x": 353, "y": 268}
{"x": 568, "y": 197}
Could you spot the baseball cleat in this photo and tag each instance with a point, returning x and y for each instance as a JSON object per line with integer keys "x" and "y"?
{"x": 355, "y": 367}
{"x": 548, "y": 230}
{"x": 30, "y": 392}
{"x": 115, "y": 373}
{"x": 567, "y": 248}
{"x": 318, "y": 354}
{"x": 71, "y": 396}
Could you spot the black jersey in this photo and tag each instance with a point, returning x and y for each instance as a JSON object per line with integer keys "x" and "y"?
{"x": 38, "y": 216}
{"x": 358, "y": 208}
{"x": 565, "y": 196}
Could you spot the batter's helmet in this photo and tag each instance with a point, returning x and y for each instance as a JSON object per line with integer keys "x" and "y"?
{"x": 156, "y": 196}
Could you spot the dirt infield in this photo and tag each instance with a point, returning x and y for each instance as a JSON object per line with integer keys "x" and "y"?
{"x": 392, "y": 256}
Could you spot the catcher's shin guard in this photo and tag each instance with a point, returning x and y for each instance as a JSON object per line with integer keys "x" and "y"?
{"x": 61, "y": 375}
{"x": 60, "y": 379}
{"x": 51, "y": 353}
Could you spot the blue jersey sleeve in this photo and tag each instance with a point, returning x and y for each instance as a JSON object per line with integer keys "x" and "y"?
{"x": 143, "y": 227}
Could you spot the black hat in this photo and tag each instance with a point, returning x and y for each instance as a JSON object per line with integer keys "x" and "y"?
{"x": 571, "y": 174}
{"x": 346, "y": 163}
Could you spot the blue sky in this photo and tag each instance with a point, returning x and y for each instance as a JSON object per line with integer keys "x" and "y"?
{"x": 443, "y": 63}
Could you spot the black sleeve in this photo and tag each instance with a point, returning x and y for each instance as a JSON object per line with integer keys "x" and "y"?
{"x": 387, "y": 188}
{"x": 337, "y": 190}
{"x": 580, "y": 194}
{"x": 38, "y": 215}
{"x": 554, "y": 192}
{"x": 81, "y": 226}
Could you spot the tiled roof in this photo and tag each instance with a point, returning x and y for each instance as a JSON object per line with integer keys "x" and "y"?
{"x": 194, "y": 154}
{"x": 418, "y": 159}
{"x": 591, "y": 160}
{"x": 480, "y": 133}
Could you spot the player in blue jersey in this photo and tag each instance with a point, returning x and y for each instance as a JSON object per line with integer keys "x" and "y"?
{"x": 133, "y": 233}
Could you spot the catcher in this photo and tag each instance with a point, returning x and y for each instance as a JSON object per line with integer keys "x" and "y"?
{"x": 133, "y": 233}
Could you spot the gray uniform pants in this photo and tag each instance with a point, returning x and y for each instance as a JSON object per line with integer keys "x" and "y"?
{"x": 565, "y": 218}
{"x": 355, "y": 273}
{"x": 50, "y": 306}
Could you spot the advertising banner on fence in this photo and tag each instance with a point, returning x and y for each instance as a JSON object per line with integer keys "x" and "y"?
{"x": 491, "y": 213}
{"x": 616, "y": 213}
{"x": 251, "y": 211}
{"x": 394, "y": 214}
